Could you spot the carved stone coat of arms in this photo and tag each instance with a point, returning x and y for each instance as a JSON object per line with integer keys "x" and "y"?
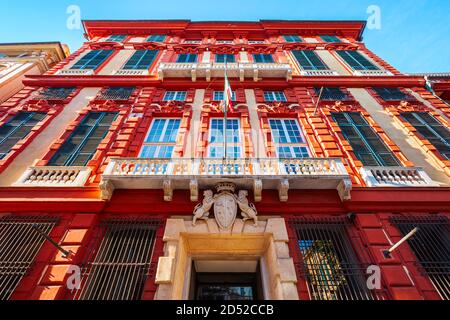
{"x": 226, "y": 204}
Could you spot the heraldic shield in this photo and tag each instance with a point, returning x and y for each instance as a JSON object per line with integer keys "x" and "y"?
{"x": 225, "y": 210}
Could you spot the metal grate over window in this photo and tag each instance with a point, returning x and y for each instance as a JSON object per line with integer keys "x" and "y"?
{"x": 431, "y": 244}
{"x": 19, "y": 243}
{"x": 119, "y": 260}
{"x": 328, "y": 262}
{"x": 117, "y": 93}
{"x": 56, "y": 93}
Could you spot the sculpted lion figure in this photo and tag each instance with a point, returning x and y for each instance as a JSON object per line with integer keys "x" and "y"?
{"x": 248, "y": 209}
{"x": 201, "y": 211}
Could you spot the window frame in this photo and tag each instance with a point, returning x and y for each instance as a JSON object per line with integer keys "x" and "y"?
{"x": 137, "y": 64}
{"x": 265, "y": 55}
{"x": 78, "y": 66}
{"x": 233, "y": 99}
{"x": 176, "y": 94}
{"x": 122, "y": 37}
{"x": 291, "y": 145}
{"x": 314, "y": 67}
{"x": 158, "y": 36}
{"x": 363, "y": 68}
{"x": 161, "y": 144}
{"x": 292, "y": 38}
{"x": 220, "y": 145}
{"x": 233, "y": 60}
{"x": 324, "y": 37}
{"x": 379, "y": 92}
{"x": 273, "y": 93}
{"x": 187, "y": 55}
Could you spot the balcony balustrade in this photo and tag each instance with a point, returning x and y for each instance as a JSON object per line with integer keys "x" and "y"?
{"x": 396, "y": 177}
{"x": 54, "y": 177}
{"x": 256, "y": 174}
{"x": 75, "y": 72}
{"x": 318, "y": 73}
{"x": 131, "y": 72}
{"x": 376, "y": 73}
{"x": 216, "y": 70}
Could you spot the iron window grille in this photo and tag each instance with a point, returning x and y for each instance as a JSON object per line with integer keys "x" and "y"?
{"x": 19, "y": 243}
{"x": 367, "y": 145}
{"x": 56, "y": 93}
{"x": 431, "y": 129}
{"x": 328, "y": 261}
{"x": 356, "y": 60}
{"x": 16, "y": 129}
{"x": 116, "y": 93}
{"x": 431, "y": 245}
{"x": 391, "y": 94}
{"x": 82, "y": 144}
{"x": 119, "y": 260}
{"x": 331, "y": 94}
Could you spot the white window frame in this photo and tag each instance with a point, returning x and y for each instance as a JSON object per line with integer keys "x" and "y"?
{"x": 160, "y": 144}
{"x": 232, "y": 99}
{"x": 274, "y": 97}
{"x": 225, "y": 41}
{"x": 193, "y": 41}
{"x": 257, "y": 42}
{"x": 221, "y": 144}
{"x": 290, "y": 144}
{"x": 176, "y": 96}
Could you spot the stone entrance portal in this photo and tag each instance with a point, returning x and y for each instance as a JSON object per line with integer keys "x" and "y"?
{"x": 264, "y": 244}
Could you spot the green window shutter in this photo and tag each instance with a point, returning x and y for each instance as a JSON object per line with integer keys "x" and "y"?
{"x": 141, "y": 60}
{"x": 93, "y": 59}
{"x": 331, "y": 39}
{"x": 82, "y": 144}
{"x": 356, "y": 60}
{"x": 309, "y": 60}
{"x": 367, "y": 145}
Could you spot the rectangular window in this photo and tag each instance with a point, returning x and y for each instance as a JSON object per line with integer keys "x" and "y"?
{"x": 82, "y": 144}
{"x": 332, "y": 39}
{"x": 367, "y": 145}
{"x": 222, "y": 58}
{"x": 309, "y": 60}
{"x": 219, "y": 96}
{"x": 16, "y": 129}
{"x": 356, "y": 60}
{"x": 391, "y": 94}
{"x": 157, "y": 38}
{"x": 187, "y": 58}
{"x": 331, "y": 94}
{"x": 289, "y": 140}
{"x": 117, "y": 38}
{"x": 263, "y": 58}
{"x": 217, "y": 136}
{"x": 117, "y": 93}
{"x": 20, "y": 242}
{"x": 56, "y": 93}
{"x": 431, "y": 246}
{"x": 292, "y": 38}
{"x": 175, "y": 96}
{"x": 141, "y": 60}
{"x": 431, "y": 129}
{"x": 119, "y": 261}
{"x": 93, "y": 59}
{"x": 329, "y": 263}
{"x": 274, "y": 96}
{"x": 161, "y": 139}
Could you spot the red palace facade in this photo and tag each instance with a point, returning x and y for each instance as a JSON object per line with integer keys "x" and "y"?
{"x": 115, "y": 182}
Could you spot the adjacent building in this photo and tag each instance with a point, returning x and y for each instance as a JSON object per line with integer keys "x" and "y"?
{"x": 149, "y": 186}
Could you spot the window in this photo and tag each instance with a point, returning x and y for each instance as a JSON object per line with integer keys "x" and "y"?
{"x": 331, "y": 94}
{"x": 117, "y": 38}
{"x": 118, "y": 260}
{"x": 274, "y": 96}
{"x": 431, "y": 247}
{"x": 157, "y": 38}
{"x": 263, "y": 58}
{"x": 187, "y": 57}
{"x": 175, "y": 96}
{"x": 366, "y": 143}
{"x": 141, "y": 60}
{"x": 20, "y": 242}
{"x": 390, "y": 94}
{"x": 219, "y": 96}
{"x": 56, "y": 93}
{"x": 216, "y": 138}
{"x": 117, "y": 93}
{"x": 309, "y": 60}
{"x": 161, "y": 139}
{"x": 431, "y": 129}
{"x": 330, "y": 39}
{"x": 329, "y": 263}
{"x": 289, "y": 140}
{"x": 222, "y": 58}
{"x": 93, "y": 59}
{"x": 356, "y": 60}
{"x": 292, "y": 38}
{"x": 16, "y": 129}
{"x": 82, "y": 144}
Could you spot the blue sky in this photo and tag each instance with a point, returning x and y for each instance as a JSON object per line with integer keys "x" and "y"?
{"x": 414, "y": 34}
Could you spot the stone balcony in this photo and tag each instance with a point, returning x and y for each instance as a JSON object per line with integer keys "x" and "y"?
{"x": 54, "y": 177}
{"x": 250, "y": 174}
{"x": 217, "y": 70}
{"x": 396, "y": 177}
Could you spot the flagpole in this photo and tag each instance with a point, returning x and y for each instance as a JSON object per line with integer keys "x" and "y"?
{"x": 225, "y": 113}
